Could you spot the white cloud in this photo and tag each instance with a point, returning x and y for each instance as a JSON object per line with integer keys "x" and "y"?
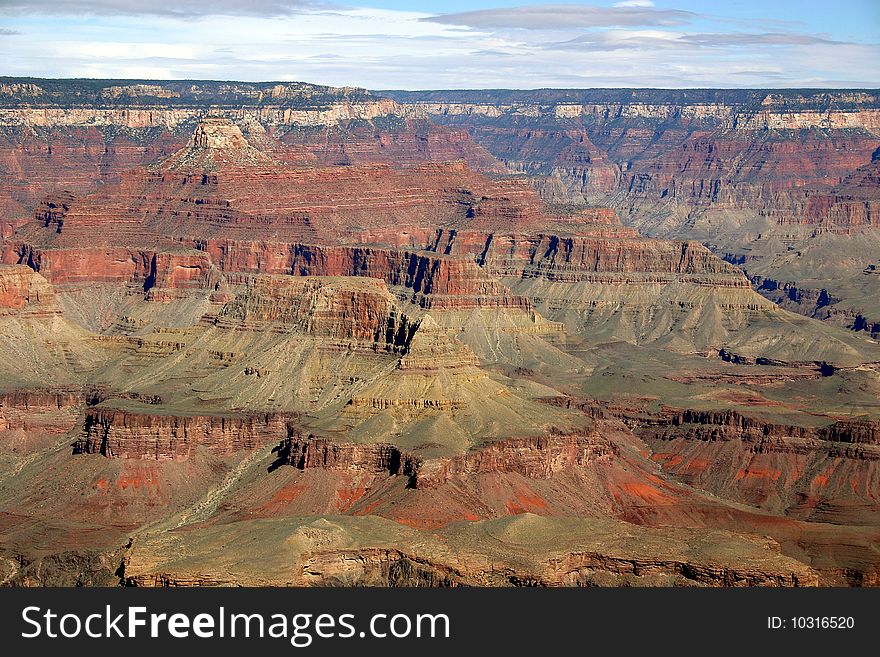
{"x": 178, "y": 8}
{"x": 634, "y": 3}
{"x": 385, "y": 49}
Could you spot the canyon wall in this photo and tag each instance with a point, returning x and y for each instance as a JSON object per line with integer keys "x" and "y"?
{"x": 538, "y": 457}
{"x": 131, "y": 435}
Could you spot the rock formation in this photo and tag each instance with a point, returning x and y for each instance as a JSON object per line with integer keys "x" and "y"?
{"x": 23, "y": 292}
{"x": 780, "y": 182}
{"x": 404, "y": 353}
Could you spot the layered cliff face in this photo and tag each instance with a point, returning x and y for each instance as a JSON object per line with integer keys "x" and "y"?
{"x": 463, "y": 241}
{"x": 692, "y": 149}
{"x": 311, "y": 205}
{"x": 120, "y": 434}
{"x": 74, "y": 135}
{"x": 768, "y": 178}
{"x": 317, "y": 317}
{"x": 341, "y": 310}
{"x": 817, "y": 472}
{"x": 31, "y": 419}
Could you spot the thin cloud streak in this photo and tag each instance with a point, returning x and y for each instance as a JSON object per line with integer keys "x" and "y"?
{"x": 567, "y": 16}
{"x": 172, "y": 8}
{"x": 637, "y": 40}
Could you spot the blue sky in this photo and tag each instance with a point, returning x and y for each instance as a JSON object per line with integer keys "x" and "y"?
{"x": 384, "y": 44}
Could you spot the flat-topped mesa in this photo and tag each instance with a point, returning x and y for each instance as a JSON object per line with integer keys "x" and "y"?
{"x": 23, "y": 292}
{"x": 579, "y": 258}
{"x": 216, "y": 132}
{"x": 432, "y": 348}
{"x": 216, "y": 143}
{"x": 347, "y": 311}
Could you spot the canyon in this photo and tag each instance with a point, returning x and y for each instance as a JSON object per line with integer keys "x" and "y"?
{"x": 783, "y": 182}
{"x": 494, "y": 338}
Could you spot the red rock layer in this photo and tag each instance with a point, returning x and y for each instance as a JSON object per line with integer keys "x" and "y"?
{"x": 166, "y": 205}
{"x": 853, "y": 204}
{"x": 454, "y": 214}
{"x": 43, "y": 152}
{"x": 407, "y": 142}
{"x": 48, "y": 411}
{"x": 75, "y": 265}
{"x": 817, "y": 473}
{"x": 122, "y": 434}
{"x": 24, "y": 292}
{"x": 744, "y": 153}
{"x": 179, "y": 269}
{"x": 744, "y": 168}
{"x": 41, "y": 161}
{"x": 538, "y": 457}
{"x": 729, "y": 424}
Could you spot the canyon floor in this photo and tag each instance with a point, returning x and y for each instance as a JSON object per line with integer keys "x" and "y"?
{"x": 284, "y": 334}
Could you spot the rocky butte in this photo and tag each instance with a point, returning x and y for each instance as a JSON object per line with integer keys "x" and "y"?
{"x": 435, "y": 339}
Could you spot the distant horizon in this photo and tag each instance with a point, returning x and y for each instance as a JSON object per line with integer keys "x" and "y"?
{"x": 456, "y": 44}
{"x": 434, "y": 89}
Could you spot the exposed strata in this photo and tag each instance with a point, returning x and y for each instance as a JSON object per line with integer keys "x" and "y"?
{"x": 752, "y": 109}
{"x": 310, "y": 203}
{"x": 339, "y": 309}
{"x": 122, "y": 434}
{"x": 310, "y": 452}
{"x": 536, "y": 457}
{"x": 25, "y": 413}
{"x": 466, "y": 241}
{"x": 724, "y": 149}
{"x": 62, "y": 136}
{"x": 813, "y": 472}
{"x": 728, "y": 424}
{"x": 216, "y": 143}
{"x": 764, "y": 176}
{"x": 366, "y": 305}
